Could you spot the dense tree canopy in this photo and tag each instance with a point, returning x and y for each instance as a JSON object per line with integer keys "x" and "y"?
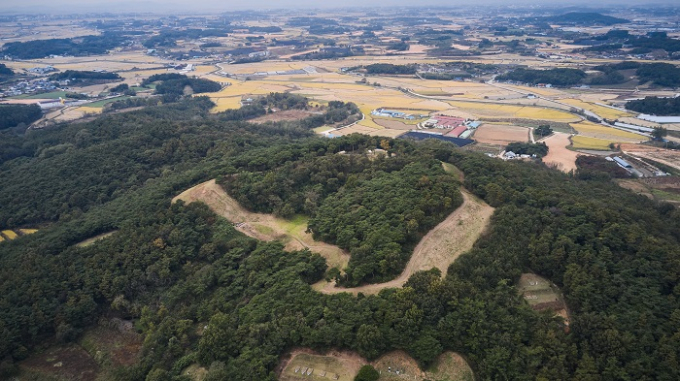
{"x": 556, "y": 77}
{"x": 12, "y": 115}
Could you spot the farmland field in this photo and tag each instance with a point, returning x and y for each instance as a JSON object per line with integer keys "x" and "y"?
{"x": 500, "y": 134}
{"x": 512, "y": 111}
{"x": 599, "y": 131}
{"x": 603, "y": 112}
{"x": 585, "y": 142}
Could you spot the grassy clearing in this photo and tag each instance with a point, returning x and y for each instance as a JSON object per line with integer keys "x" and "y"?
{"x": 51, "y": 95}
{"x": 604, "y": 112}
{"x": 28, "y": 231}
{"x": 264, "y": 227}
{"x": 603, "y": 132}
{"x": 96, "y": 238}
{"x": 9, "y": 234}
{"x": 452, "y": 169}
{"x": 322, "y": 129}
{"x": 513, "y": 111}
{"x": 104, "y": 102}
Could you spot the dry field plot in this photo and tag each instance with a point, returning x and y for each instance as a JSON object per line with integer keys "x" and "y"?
{"x": 439, "y": 248}
{"x": 541, "y": 294}
{"x": 264, "y": 227}
{"x": 558, "y": 154}
{"x": 668, "y": 157}
{"x": 499, "y": 134}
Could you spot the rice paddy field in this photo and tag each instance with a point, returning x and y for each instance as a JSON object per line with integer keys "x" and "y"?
{"x": 603, "y": 112}
{"x": 585, "y": 142}
{"x": 598, "y": 131}
{"x": 511, "y": 111}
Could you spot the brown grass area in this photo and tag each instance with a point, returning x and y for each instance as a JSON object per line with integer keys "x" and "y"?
{"x": 283, "y": 116}
{"x": 393, "y": 124}
{"x": 501, "y": 134}
{"x": 264, "y": 227}
{"x": 668, "y": 157}
{"x": 69, "y": 362}
{"x": 439, "y": 248}
{"x": 636, "y": 186}
{"x": 558, "y": 154}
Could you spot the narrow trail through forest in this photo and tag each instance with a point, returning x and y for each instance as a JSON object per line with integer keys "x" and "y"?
{"x": 438, "y": 248}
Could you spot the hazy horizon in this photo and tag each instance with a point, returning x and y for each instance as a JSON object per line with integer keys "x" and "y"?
{"x": 194, "y": 6}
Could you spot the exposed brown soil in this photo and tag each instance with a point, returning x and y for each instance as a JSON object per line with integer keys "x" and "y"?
{"x": 501, "y": 134}
{"x": 558, "y": 154}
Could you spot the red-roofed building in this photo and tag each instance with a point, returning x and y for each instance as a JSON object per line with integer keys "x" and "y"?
{"x": 457, "y": 131}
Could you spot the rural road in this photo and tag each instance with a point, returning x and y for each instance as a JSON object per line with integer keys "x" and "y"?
{"x": 438, "y": 248}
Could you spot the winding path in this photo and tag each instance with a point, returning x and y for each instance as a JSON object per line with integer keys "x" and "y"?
{"x": 438, "y": 248}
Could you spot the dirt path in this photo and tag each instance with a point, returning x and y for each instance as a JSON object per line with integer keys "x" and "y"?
{"x": 558, "y": 153}
{"x": 439, "y": 248}
{"x": 264, "y": 227}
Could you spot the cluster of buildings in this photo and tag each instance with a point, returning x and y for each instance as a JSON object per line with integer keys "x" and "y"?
{"x": 29, "y": 87}
{"x": 41, "y": 70}
{"x": 385, "y": 113}
{"x": 455, "y": 127}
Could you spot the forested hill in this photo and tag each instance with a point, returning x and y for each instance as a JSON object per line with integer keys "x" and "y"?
{"x": 375, "y": 206}
{"x": 174, "y": 268}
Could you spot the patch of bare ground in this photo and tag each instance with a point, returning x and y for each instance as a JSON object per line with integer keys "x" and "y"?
{"x": 501, "y": 134}
{"x": 559, "y": 155}
{"x": 285, "y": 115}
{"x": 113, "y": 343}
{"x": 264, "y": 227}
{"x": 438, "y": 248}
{"x": 668, "y": 157}
{"x": 69, "y": 362}
{"x": 636, "y": 186}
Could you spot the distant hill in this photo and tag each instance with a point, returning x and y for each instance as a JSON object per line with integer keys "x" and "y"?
{"x": 585, "y": 18}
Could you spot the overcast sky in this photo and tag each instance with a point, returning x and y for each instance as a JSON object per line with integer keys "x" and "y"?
{"x": 78, "y": 6}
